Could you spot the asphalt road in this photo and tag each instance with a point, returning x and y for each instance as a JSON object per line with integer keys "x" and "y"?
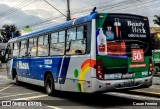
{"x": 26, "y": 93}
{"x": 156, "y": 80}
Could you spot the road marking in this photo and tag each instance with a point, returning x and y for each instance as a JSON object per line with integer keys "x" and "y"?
{"x": 3, "y": 83}
{"x": 33, "y": 97}
{"x": 136, "y": 96}
{"x": 54, "y": 107}
{"x": 3, "y": 77}
{"x": 18, "y": 95}
{"x": 155, "y": 93}
{"x": 6, "y": 88}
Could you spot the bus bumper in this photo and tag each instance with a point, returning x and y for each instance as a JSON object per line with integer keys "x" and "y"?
{"x": 110, "y": 85}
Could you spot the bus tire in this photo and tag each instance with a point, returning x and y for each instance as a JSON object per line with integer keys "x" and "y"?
{"x": 16, "y": 80}
{"x": 15, "y": 77}
{"x": 49, "y": 84}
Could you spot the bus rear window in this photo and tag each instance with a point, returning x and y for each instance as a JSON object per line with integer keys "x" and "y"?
{"x": 125, "y": 28}
{"x": 122, "y": 34}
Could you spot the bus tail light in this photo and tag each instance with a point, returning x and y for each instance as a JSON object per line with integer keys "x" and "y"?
{"x": 99, "y": 70}
{"x": 150, "y": 67}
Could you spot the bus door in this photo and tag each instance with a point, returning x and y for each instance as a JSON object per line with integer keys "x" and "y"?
{"x": 74, "y": 57}
{"x": 23, "y": 64}
{"x": 32, "y": 61}
{"x": 34, "y": 69}
{"x": 9, "y": 62}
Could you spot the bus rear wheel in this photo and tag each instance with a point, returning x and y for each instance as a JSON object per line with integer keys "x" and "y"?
{"x": 16, "y": 80}
{"x": 49, "y": 84}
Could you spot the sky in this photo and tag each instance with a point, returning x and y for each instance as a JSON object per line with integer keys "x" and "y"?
{"x": 33, "y": 11}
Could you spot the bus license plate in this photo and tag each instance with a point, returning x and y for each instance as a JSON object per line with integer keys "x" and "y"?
{"x": 129, "y": 82}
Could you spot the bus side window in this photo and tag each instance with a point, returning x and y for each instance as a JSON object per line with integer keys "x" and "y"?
{"x": 70, "y": 38}
{"x": 80, "y": 32}
{"x": 32, "y": 47}
{"x": 16, "y": 49}
{"x": 78, "y": 44}
{"x": 53, "y": 44}
{"x": 43, "y": 45}
{"x": 61, "y": 43}
{"x": 57, "y": 44}
{"x": 22, "y": 48}
{"x": 46, "y": 45}
{"x": 40, "y": 46}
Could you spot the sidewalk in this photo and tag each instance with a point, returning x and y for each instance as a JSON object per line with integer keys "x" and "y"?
{"x": 4, "y": 65}
{"x": 3, "y": 68}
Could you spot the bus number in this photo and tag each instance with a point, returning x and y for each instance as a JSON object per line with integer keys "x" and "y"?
{"x": 137, "y": 55}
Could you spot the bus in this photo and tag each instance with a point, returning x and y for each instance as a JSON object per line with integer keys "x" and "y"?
{"x": 155, "y": 44}
{"x": 95, "y": 53}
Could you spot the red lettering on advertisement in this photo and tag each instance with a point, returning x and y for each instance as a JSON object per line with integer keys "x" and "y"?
{"x": 137, "y": 55}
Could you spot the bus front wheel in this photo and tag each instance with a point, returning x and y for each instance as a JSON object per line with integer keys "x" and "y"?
{"x": 49, "y": 84}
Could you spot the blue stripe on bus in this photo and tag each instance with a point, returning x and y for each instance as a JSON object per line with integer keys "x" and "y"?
{"x": 56, "y": 67}
{"x": 124, "y": 57}
{"x": 64, "y": 70}
{"x": 38, "y": 67}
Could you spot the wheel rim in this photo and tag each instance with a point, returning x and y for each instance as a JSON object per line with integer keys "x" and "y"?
{"x": 49, "y": 85}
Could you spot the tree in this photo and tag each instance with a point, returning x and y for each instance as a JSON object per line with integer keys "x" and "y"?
{"x": 157, "y": 20}
{"x": 8, "y": 31}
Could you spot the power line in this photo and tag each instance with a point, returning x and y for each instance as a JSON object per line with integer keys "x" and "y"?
{"x": 55, "y": 8}
{"x": 52, "y": 18}
{"x": 117, "y": 5}
{"x": 49, "y": 24}
{"x": 43, "y": 21}
{"x": 16, "y": 8}
{"x": 131, "y": 5}
{"x": 143, "y": 4}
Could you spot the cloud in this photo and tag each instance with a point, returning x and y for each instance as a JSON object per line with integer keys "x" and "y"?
{"x": 39, "y": 10}
{"x": 18, "y": 18}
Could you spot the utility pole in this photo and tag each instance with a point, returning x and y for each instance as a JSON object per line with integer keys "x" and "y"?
{"x": 68, "y": 11}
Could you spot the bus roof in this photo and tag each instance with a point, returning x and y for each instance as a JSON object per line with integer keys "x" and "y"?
{"x": 56, "y": 27}
{"x": 67, "y": 24}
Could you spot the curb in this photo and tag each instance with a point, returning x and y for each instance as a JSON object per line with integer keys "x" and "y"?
{"x": 152, "y": 94}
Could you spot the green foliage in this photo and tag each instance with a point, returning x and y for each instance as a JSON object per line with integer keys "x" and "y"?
{"x": 157, "y": 20}
{"x": 7, "y": 31}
